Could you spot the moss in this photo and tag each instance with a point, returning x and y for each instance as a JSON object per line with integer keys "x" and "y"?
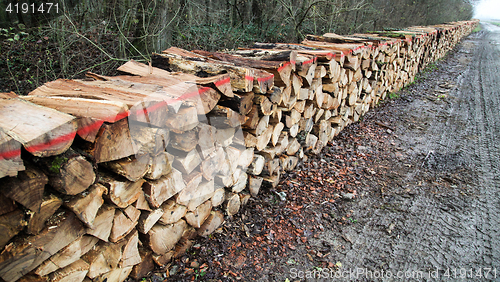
{"x": 55, "y": 166}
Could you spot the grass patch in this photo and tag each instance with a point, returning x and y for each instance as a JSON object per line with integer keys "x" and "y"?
{"x": 477, "y": 29}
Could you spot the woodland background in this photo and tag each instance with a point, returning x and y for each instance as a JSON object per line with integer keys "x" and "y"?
{"x": 99, "y": 36}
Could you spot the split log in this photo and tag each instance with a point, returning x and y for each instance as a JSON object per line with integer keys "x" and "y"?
{"x": 172, "y": 212}
{"x": 272, "y": 180}
{"x": 160, "y": 165}
{"x": 211, "y": 165}
{"x": 123, "y": 223}
{"x": 186, "y": 163}
{"x": 143, "y": 268}
{"x": 67, "y": 255}
{"x": 36, "y": 220}
{"x": 244, "y": 198}
{"x": 204, "y": 192}
{"x": 113, "y": 142}
{"x": 133, "y": 167}
{"x": 10, "y": 155}
{"x": 185, "y": 119}
{"x": 185, "y": 141}
{"x": 74, "y": 272}
{"x": 42, "y": 131}
{"x": 121, "y": 192}
{"x": 130, "y": 251}
{"x": 257, "y": 165}
{"x": 161, "y": 238}
{"x": 213, "y": 221}
{"x": 163, "y": 260}
{"x": 148, "y": 219}
{"x": 10, "y": 225}
{"x": 196, "y": 217}
{"x": 27, "y": 188}
{"x": 103, "y": 223}
{"x": 254, "y": 183}
{"x": 102, "y": 259}
{"x": 158, "y": 191}
{"x": 206, "y": 140}
{"x": 21, "y": 257}
{"x": 241, "y": 103}
{"x": 221, "y": 117}
{"x": 87, "y": 205}
{"x": 142, "y": 203}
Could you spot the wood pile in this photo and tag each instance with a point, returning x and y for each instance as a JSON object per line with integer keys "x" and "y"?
{"x": 106, "y": 177}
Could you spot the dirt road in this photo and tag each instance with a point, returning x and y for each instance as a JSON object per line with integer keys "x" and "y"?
{"x": 410, "y": 193}
{"x": 440, "y": 219}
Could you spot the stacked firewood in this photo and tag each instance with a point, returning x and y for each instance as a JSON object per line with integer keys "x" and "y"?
{"x": 102, "y": 178}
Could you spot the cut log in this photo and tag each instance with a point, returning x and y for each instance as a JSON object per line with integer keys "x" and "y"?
{"x": 142, "y": 203}
{"x": 42, "y": 131}
{"x": 163, "y": 260}
{"x": 196, "y": 217}
{"x": 20, "y": 257}
{"x": 272, "y": 180}
{"x": 148, "y": 219}
{"x": 253, "y": 118}
{"x": 133, "y": 167}
{"x": 10, "y": 225}
{"x": 213, "y": 221}
{"x": 67, "y": 255}
{"x": 74, "y": 272}
{"x": 254, "y": 183}
{"x": 161, "y": 238}
{"x": 123, "y": 223}
{"x": 206, "y": 139}
{"x": 190, "y": 191}
{"x": 172, "y": 212}
{"x": 121, "y": 192}
{"x": 264, "y": 138}
{"x": 143, "y": 268}
{"x": 36, "y": 220}
{"x": 103, "y": 223}
{"x": 232, "y": 204}
{"x": 10, "y": 155}
{"x": 27, "y": 188}
{"x": 158, "y": 191}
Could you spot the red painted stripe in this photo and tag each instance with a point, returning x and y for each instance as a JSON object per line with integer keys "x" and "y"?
{"x": 10, "y": 154}
{"x": 223, "y": 81}
{"x": 260, "y": 79}
{"x": 91, "y": 127}
{"x": 283, "y": 66}
{"x": 292, "y": 62}
{"x": 309, "y": 61}
{"x": 61, "y": 139}
{"x": 248, "y": 77}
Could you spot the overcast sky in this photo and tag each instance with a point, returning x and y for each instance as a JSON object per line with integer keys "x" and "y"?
{"x": 487, "y": 9}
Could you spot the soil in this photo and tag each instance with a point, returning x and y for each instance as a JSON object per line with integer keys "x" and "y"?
{"x": 409, "y": 193}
